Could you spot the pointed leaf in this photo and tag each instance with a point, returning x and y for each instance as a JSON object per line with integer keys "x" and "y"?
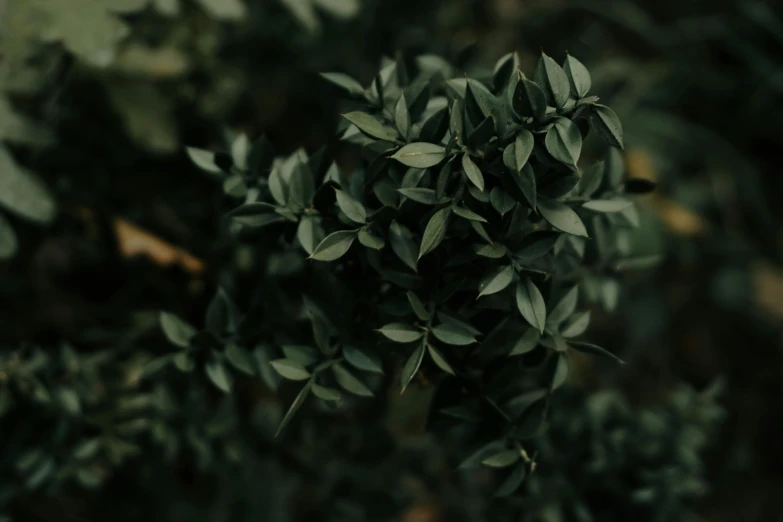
{"x": 350, "y": 207}
{"x": 309, "y": 233}
{"x": 536, "y": 244}
{"x": 453, "y": 334}
{"x": 403, "y": 244}
{"x": 177, "y": 331}
{"x": 298, "y": 401}
{"x": 417, "y": 306}
{"x": 219, "y": 376}
{"x": 420, "y": 155}
{"x": 435, "y": 231}
{"x": 370, "y": 239}
{"x": 608, "y": 125}
{"x": 349, "y": 382}
{"x": 498, "y": 281}
{"x": 593, "y": 349}
{"x": 564, "y": 141}
{"x": 402, "y": 117}
{"x": 326, "y": 394}
{"x": 290, "y": 369}
{"x": 502, "y": 459}
{"x": 346, "y": 83}
{"x": 523, "y": 147}
{"x": 529, "y": 99}
{"x": 531, "y": 304}
{"x": 371, "y": 126}
{"x": 576, "y": 326}
{"x": 527, "y": 342}
{"x": 412, "y": 366}
{"x": 424, "y": 196}
{"x": 401, "y": 333}
{"x": 472, "y": 172}
{"x": 438, "y": 358}
{"x": 513, "y": 481}
{"x": 578, "y": 77}
{"x": 468, "y": 214}
{"x": 334, "y": 246}
{"x": 554, "y": 80}
{"x": 564, "y": 308}
{"x": 362, "y": 360}
{"x": 606, "y": 206}
{"x": 562, "y": 217}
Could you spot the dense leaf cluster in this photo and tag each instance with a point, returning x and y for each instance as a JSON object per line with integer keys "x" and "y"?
{"x": 465, "y": 246}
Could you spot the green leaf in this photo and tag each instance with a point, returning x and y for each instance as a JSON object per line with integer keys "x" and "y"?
{"x": 578, "y": 77}
{"x": 412, "y": 178}
{"x": 301, "y": 186}
{"x": 309, "y": 233}
{"x": 420, "y": 155}
{"x": 564, "y": 307}
{"x": 371, "y": 126}
{"x": 494, "y": 251}
{"x": 370, "y": 239}
{"x": 362, "y": 360}
{"x": 69, "y": 400}
{"x": 435, "y": 231}
{"x": 346, "y": 83}
{"x": 8, "y": 241}
{"x": 402, "y": 117}
{"x": 527, "y": 342}
{"x": 564, "y": 141}
{"x": 529, "y": 99}
{"x": 562, "y": 217}
{"x": 593, "y": 349}
{"x": 417, "y": 306}
{"x": 606, "y": 206}
{"x": 217, "y": 373}
{"x": 479, "y": 229}
{"x": 456, "y": 124}
{"x": 401, "y": 333}
{"x": 577, "y": 325}
{"x": 497, "y": 281}
{"x": 472, "y": 172}
{"x": 420, "y": 195}
{"x": 523, "y": 147}
{"x": 23, "y": 193}
{"x": 453, "y": 334}
{"x": 435, "y": 127}
{"x": 350, "y": 207}
{"x": 177, "y": 331}
{"x": 531, "y": 304}
{"x": 467, "y": 214}
{"x": 501, "y": 201}
{"x": 512, "y": 482}
{"x": 240, "y": 359}
{"x": 298, "y": 401}
{"x": 349, "y": 382}
{"x": 334, "y": 246}
{"x": 301, "y": 353}
{"x": 183, "y": 362}
{"x": 591, "y": 179}
{"x": 289, "y": 369}
{"x": 326, "y": 394}
{"x": 482, "y": 134}
{"x": 502, "y": 459}
{"x": 560, "y": 371}
{"x": 536, "y": 244}
{"x": 438, "y": 358}
{"x": 608, "y": 125}
{"x": 204, "y": 160}
{"x": 554, "y": 79}
{"x": 412, "y": 366}
{"x": 278, "y": 187}
{"x": 403, "y": 244}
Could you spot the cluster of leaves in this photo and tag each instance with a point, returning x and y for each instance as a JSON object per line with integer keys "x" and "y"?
{"x": 463, "y": 244}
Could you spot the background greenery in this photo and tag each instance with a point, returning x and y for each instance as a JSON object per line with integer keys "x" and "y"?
{"x": 105, "y": 222}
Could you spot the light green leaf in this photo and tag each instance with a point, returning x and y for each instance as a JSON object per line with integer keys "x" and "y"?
{"x": 562, "y": 217}
{"x": 578, "y": 77}
{"x": 402, "y": 117}
{"x": 497, "y": 282}
{"x": 564, "y": 308}
{"x": 605, "y": 206}
{"x": 203, "y": 159}
{"x": 472, "y": 172}
{"x": 298, "y": 401}
{"x": 456, "y": 124}
{"x": 371, "y": 126}
{"x": 412, "y": 366}
{"x": 453, "y": 334}
{"x": 608, "y": 125}
{"x": 561, "y": 371}
{"x": 420, "y": 155}
{"x": 23, "y": 193}
{"x": 527, "y": 342}
{"x": 334, "y": 246}
{"x": 362, "y": 360}
{"x": 564, "y": 141}
{"x": 370, "y": 239}
{"x": 289, "y": 369}
{"x": 350, "y": 207}
{"x": 420, "y": 195}
{"x": 493, "y": 251}
{"x": 468, "y": 214}
{"x": 438, "y": 358}
{"x": 403, "y": 244}
{"x": 417, "y": 306}
{"x": 219, "y": 376}
{"x": 301, "y": 353}
{"x": 554, "y": 80}
{"x": 240, "y": 358}
{"x": 349, "y": 382}
{"x": 309, "y": 233}
{"x": 523, "y": 147}
{"x": 346, "y": 83}
{"x": 576, "y": 326}
{"x": 326, "y": 394}
{"x": 401, "y": 333}
{"x": 502, "y": 459}
{"x": 531, "y": 304}
{"x": 435, "y": 231}
{"x": 224, "y": 9}
{"x": 177, "y": 331}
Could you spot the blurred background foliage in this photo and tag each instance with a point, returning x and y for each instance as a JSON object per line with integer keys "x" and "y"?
{"x": 103, "y": 222}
